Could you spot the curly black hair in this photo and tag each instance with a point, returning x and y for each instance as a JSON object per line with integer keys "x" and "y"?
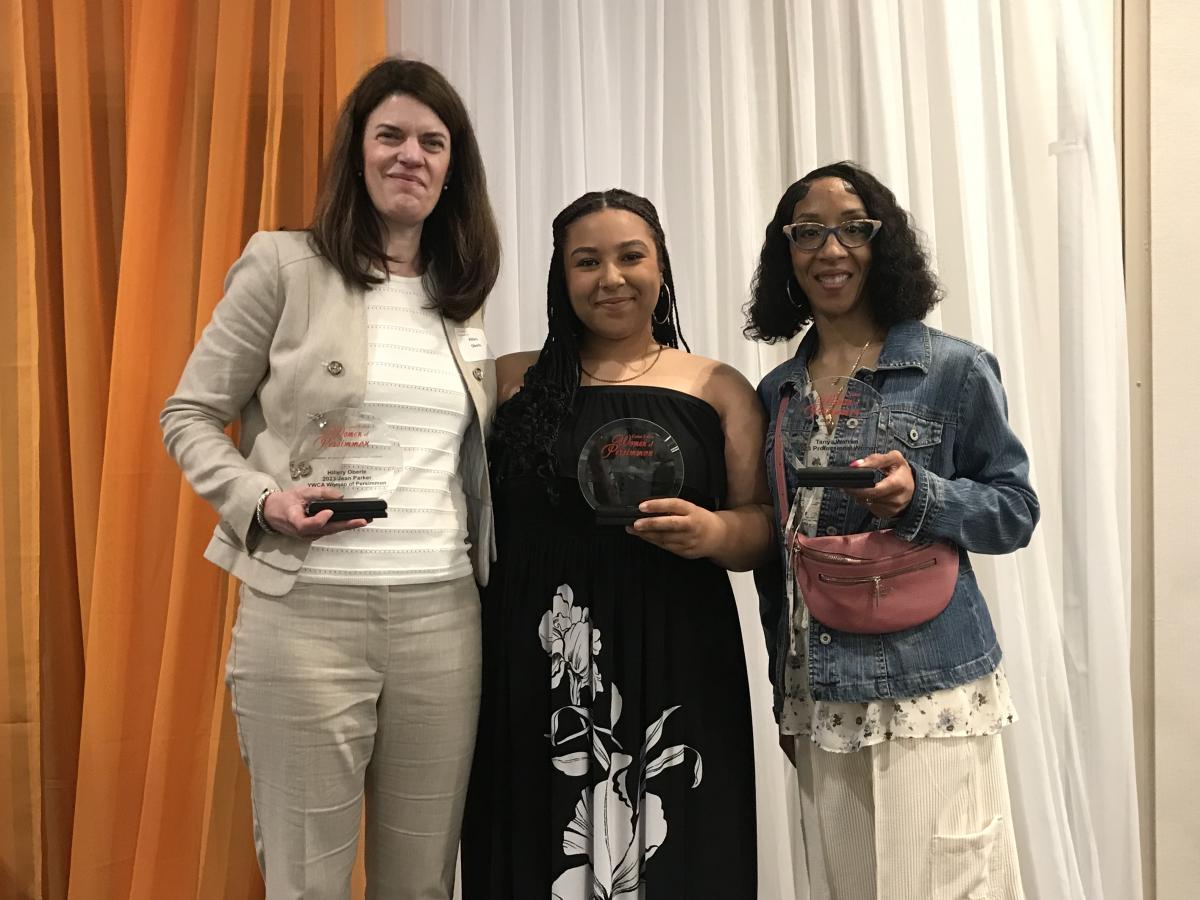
{"x": 525, "y": 430}
{"x": 900, "y": 284}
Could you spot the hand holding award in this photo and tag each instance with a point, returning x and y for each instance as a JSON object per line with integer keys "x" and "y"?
{"x": 344, "y": 465}
{"x": 625, "y": 462}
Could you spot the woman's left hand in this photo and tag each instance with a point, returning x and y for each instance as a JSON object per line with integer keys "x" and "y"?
{"x": 891, "y": 494}
{"x": 683, "y": 528}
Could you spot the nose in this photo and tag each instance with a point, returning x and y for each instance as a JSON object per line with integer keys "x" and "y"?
{"x": 832, "y": 248}
{"x": 409, "y": 152}
{"x": 610, "y": 276}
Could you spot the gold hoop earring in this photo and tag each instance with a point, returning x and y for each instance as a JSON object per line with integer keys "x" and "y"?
{"x": 667, "y": 318}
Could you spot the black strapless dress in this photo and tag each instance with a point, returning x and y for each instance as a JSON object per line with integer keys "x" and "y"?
{"x": 615, "y": 755}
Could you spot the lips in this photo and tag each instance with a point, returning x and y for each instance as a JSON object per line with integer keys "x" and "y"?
{"x": 832, "y": 280}
{"x": 614, "y": 301}
{"x": 411, "y": 179}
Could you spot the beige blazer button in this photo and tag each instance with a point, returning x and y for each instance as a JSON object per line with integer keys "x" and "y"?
{"x": 478, "y": 373}
{"x": 335, "y": 368}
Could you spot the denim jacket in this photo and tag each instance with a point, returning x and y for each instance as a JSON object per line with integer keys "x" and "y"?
{"x": 944, "y": 409}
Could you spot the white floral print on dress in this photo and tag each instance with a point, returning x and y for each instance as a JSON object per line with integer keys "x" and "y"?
{"x": 632, "y": 824}
{"x": 573, "y": 644}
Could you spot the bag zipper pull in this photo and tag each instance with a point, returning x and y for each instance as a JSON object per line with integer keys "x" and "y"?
{"x": 878, "y": 590}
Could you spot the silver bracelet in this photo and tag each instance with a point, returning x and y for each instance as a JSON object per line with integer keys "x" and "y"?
{"x": 260, "y": 513}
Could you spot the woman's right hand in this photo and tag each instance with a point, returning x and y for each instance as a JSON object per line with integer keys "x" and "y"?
{"x": 284, "y": 512}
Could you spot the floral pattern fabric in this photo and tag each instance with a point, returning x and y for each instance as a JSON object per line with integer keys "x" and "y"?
{"x": 619, "y": 822}
{"x": 615, "y": 748}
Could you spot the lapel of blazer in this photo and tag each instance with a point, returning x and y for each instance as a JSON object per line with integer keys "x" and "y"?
{"x": 479, "y": 375}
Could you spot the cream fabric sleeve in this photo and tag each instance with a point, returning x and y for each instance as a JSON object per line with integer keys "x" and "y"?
{"x": 225, "y": 369}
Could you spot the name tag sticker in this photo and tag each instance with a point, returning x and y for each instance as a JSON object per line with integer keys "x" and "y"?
{"x": 472, "y": 344}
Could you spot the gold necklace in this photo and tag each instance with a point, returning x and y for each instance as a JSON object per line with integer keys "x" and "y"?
{"x": 828, "y": 414}
{"x": 653, "y": 362}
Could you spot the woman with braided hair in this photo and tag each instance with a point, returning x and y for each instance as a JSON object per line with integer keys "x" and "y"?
{"x": 614, "y": 755}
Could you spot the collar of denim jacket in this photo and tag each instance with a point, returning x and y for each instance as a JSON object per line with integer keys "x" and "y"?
{"x": 908, "y": 345}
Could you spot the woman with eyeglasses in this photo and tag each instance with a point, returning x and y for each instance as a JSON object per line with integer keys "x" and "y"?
{"x": 889, "y": 689}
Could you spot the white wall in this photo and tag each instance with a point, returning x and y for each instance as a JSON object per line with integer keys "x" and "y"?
{"x": 1174, "y": 186}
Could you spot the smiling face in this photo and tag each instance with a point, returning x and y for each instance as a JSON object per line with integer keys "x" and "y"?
{"x": 612, "y": 271}
{"x": 405, "y": 159}
{"x": 832, "y": 276}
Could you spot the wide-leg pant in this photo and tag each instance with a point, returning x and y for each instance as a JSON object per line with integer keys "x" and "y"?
{"x": 342, "y": 692}
{"x": 909, "y": 819}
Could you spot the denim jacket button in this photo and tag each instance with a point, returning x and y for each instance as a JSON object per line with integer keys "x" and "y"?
{"x": 831, "y": 530}
{"x": 825, "y": 638}
{"x": 852, "y": 423}
{"x": 913, "y": 434}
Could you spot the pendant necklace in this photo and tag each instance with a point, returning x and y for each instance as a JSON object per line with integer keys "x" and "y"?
{"x": 828, "y": 413}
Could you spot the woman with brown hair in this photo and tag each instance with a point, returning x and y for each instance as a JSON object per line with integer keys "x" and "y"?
{"x": 354, "y": 664}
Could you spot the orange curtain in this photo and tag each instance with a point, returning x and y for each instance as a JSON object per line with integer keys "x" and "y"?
{"x": 141, "y": 143}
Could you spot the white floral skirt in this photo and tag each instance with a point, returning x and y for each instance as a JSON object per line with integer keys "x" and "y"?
{"x": 980, "y": 707}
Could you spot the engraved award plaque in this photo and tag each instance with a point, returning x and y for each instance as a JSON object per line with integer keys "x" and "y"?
{"x": 348, "y": 449}
{"x": 625, "y": 462}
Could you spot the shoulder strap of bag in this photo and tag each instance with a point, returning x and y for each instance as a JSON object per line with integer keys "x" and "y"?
{"x": 777, "y": 456}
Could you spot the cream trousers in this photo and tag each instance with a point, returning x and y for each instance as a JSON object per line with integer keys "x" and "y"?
{"x": 910, "y": 819}
{"x": 347, "y": 692}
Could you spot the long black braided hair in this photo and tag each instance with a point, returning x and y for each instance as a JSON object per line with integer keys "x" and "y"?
{"x": 525, "y": 430}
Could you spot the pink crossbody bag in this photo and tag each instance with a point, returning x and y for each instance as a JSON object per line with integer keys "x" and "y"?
{"x": 868, "y": 583}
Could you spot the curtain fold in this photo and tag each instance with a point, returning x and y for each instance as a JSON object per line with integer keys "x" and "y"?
{"x": 142, "y": 143}
{"x": 24, "y": 277}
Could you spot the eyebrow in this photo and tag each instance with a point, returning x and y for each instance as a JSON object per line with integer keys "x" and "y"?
{"x": 847, "y": 216}
{"x": 431, "y": 132}
{"x": 624, "y": 245}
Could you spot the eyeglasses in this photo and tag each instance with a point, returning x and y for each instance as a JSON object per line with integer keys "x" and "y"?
{"x": 812, "y": 235}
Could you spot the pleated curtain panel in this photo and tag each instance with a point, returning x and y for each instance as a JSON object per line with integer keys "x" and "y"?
{"x": 143, "y": 142}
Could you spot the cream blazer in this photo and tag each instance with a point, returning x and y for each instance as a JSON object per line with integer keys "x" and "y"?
{"x": 289, "y": 339}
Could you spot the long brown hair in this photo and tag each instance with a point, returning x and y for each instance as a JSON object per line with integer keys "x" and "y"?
{"x": 460, "y": 244}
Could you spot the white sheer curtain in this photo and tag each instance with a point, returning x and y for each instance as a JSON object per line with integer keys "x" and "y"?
{"x": 992, "y": 123}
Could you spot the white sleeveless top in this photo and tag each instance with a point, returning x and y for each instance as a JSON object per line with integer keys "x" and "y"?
{"x": 415, "y": 387}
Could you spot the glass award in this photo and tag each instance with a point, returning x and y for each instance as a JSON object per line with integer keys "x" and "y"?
{"x": 625, "y": 462}
{"x": 845, "y": 416}
{"x": 350, "y": 450}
